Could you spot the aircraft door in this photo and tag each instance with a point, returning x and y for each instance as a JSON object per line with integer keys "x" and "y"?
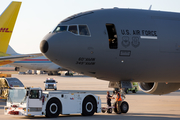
{"x": 112, "y": 36}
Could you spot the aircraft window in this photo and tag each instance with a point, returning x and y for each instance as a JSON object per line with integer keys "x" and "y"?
{"x": 83, "y": 30}
{"x": 60, "y": 29}
{"x": 113, "y": 42}
{"x": 73, "y": 29}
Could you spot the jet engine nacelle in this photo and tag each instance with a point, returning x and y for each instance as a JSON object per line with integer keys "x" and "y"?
{"x": 159, "y": 88}
{"x": 20, "y": 69}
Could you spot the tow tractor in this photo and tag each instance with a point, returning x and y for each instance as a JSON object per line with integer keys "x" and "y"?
{"x": 33, "y": 101}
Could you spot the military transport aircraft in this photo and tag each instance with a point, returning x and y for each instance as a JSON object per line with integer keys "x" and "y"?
{"x": 120, "y": 46}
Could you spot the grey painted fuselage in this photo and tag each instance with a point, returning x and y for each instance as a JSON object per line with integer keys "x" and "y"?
{"x": 148, "y": 45}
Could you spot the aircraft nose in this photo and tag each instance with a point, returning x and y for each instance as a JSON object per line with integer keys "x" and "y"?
{"x": 44, "y": 46}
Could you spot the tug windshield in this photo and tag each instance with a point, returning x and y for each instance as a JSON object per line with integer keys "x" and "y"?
{"x": 17, "y": 95}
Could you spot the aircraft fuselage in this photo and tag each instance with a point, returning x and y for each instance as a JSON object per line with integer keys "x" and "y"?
{"x": 122, "y": 44}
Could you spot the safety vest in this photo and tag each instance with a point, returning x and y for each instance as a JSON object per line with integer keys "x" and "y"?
{"x": 120, "y": 99}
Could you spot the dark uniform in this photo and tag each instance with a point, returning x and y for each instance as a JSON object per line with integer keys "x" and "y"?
{"x": 108, "y": 99}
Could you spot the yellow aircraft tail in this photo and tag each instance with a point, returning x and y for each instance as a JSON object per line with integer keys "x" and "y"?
{"x": 7, "y": 22}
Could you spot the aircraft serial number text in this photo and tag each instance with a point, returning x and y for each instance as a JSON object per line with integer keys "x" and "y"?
{"x": 86, "y": 61}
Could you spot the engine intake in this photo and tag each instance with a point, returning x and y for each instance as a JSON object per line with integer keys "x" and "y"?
{"x": 159, "y": 88}
{"x": 17, "y": 69}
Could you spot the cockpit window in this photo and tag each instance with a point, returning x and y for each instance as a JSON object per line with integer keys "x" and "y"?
{"x": 73, "y": 29}
{"x": 83, "y": 30}
{"x": 60, "y": 29}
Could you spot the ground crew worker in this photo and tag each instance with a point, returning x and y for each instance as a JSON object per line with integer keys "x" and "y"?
{"x": 118, "y": 102}
{"x": 109, "y": 97}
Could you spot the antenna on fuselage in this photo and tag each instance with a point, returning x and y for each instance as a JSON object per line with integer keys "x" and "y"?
{"x": 150, "y": 7}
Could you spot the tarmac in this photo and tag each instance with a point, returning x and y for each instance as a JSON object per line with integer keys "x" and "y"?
{"x": 142, "y": 106}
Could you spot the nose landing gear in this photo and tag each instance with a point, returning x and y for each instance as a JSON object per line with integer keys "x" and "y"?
{"x": 124, "y": 107}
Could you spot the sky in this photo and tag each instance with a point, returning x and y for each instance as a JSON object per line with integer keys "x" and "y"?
{"x": 38, "y": 17}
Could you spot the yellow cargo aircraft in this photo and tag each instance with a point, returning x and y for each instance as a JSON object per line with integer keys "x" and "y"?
{"x": 7, "y": 22}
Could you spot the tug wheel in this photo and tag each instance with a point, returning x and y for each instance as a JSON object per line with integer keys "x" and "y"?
{"x": 88, "y": 107}
{"x": 53, "y": 108}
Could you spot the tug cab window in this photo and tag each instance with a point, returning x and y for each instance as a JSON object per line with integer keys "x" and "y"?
{"x": 113, "y": 43}
{"x": 60, "y": 29}
{"x": 83, "y": 30}
{"x": 34, "y": 94}
{"x": 73, "y": 29}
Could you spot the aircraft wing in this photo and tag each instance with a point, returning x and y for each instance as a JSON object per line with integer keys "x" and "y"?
{"x": 20, "y": 57}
